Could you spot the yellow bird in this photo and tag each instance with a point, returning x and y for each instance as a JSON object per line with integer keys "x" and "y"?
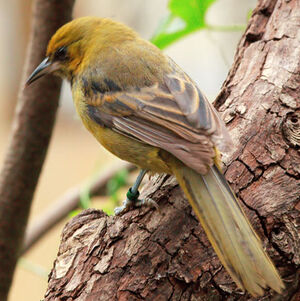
{"x": 144, "y": 109}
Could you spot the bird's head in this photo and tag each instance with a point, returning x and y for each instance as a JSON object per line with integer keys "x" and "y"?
{"x": 78, "y": 43}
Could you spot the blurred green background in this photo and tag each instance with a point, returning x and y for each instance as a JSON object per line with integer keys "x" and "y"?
{"x": 74, "y": 155}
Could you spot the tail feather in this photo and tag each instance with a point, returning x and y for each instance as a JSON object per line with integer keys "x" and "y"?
{"x": 228, "y": 230}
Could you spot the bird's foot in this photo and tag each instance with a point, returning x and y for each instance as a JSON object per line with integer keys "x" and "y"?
{"x": 147, "y": 203}
{"x": 132, "y": 201}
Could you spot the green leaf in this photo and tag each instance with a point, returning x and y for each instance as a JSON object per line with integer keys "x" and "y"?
{"x": 115, "y": 183}
{"x": 185, "y": 17}
{"x": 109, "y": 209}
{"x": 249, "y": 14}
{"x": 73, "y": 213}
{"x": 84, "y": 196}
{"x": 191, "y": 11}
{"x": 85, "y": 199}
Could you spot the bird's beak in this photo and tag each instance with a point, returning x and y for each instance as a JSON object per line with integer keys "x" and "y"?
{"x": 45, "y": 67}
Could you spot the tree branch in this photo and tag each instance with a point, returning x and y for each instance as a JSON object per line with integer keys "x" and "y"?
{"x": 65, "y": 204}
{"x": 32, "y": 127}
{"x": 148, "y": 255}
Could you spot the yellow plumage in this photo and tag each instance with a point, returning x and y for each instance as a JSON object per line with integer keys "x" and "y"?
{"x": 144, "y": 109}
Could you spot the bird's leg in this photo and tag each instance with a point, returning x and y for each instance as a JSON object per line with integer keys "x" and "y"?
{"x": 132, "y": 196}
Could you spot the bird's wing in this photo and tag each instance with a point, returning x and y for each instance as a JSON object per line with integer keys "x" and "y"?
{"x": 174, "y": 116}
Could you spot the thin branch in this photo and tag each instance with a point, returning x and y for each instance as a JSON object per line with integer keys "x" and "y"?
{"x": 32, "y": 128}
{"x": 66, "y": 203}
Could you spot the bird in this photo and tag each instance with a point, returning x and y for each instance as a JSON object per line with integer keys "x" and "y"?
{"x": 142, "y": 107}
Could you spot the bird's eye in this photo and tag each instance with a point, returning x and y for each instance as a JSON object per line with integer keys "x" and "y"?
{"x": 61, "y": 54}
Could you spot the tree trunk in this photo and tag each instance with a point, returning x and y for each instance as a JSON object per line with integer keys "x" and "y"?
{"x": 32, "y": 128}
{"x": 150, "y": 255}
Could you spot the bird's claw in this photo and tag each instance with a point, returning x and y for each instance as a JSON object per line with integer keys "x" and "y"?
{"x": 147, "y": 203}
{"x": 128, "y": 205}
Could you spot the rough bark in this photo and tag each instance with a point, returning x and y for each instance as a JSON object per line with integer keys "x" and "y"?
{"x": 32, "y": 127}
{"x": 150, "y": 255}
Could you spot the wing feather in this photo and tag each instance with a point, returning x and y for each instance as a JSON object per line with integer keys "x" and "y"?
{"x": 173, "y": 115}
{"x": 202, "y": 155}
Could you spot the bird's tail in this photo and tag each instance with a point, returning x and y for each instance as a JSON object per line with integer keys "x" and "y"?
{"x": 228, "y": 230}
